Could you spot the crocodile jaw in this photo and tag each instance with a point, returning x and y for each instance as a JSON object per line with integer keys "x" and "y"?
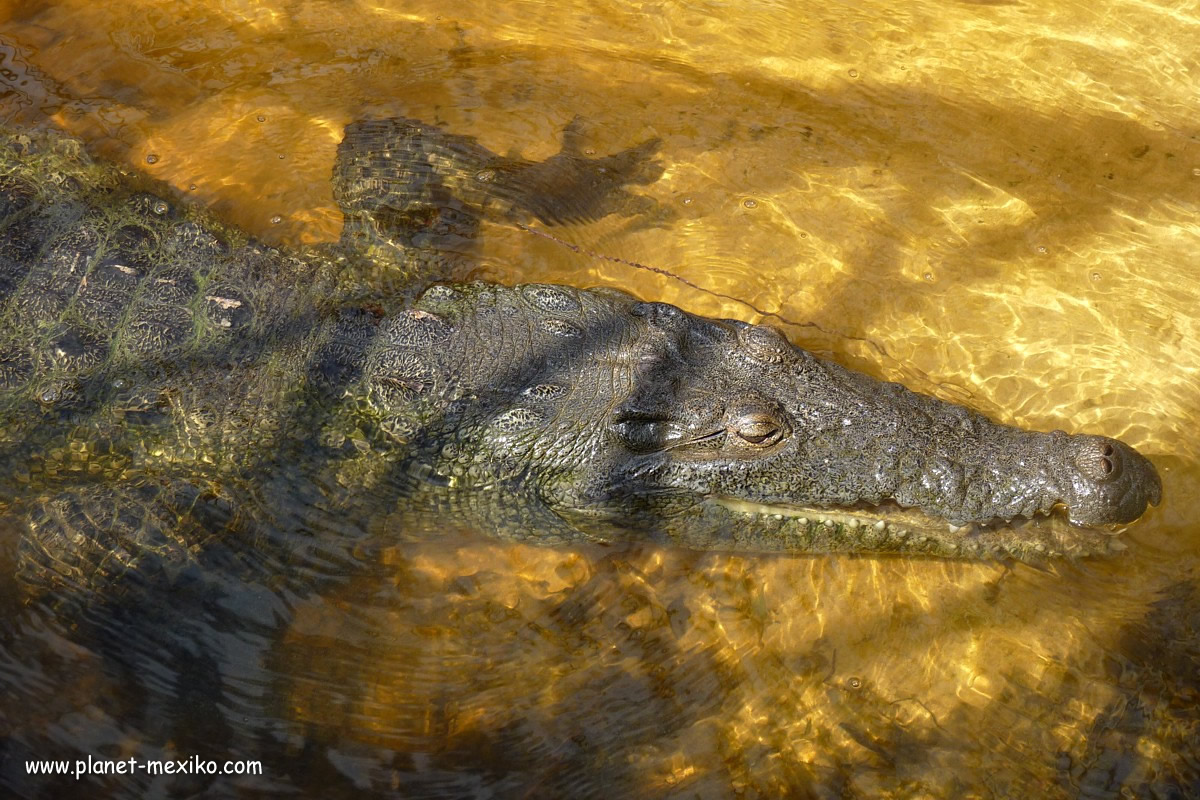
{"x": 889, "y": 528}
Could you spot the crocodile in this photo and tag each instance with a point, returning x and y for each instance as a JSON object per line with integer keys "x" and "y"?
{"x": 166, "y": 381}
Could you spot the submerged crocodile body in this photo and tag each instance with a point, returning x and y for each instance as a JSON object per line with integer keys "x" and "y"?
{"x": 164, "y": 381}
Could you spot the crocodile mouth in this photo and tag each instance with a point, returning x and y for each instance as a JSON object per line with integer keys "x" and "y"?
{"x": 889, "y": 526}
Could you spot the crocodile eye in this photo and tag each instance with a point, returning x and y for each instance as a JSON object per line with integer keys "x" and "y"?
{"x": 758, "y": 428}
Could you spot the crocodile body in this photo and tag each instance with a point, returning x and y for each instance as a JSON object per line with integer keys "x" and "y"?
{"x": 165, "y": 381}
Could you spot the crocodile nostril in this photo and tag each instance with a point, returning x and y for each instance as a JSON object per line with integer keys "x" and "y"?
{"x": 1099, "y": 460}
{"x": 1110, "y": 462}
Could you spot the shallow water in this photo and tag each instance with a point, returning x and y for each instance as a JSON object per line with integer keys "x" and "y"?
{"x": 992, "y": 202}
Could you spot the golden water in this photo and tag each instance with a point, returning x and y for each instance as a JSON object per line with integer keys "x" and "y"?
{"x": 994, "y": 202}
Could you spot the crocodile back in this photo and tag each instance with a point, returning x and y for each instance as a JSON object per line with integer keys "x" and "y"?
{"x": 120, "y": 309}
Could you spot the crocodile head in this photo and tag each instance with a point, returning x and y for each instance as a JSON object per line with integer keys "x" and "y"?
{"x": 729, "y": 437}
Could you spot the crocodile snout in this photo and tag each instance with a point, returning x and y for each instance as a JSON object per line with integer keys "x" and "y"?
{"x": 1111, "y": 483}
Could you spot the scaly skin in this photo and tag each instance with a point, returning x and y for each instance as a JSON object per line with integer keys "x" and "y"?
{"x": 160, "y": 374}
